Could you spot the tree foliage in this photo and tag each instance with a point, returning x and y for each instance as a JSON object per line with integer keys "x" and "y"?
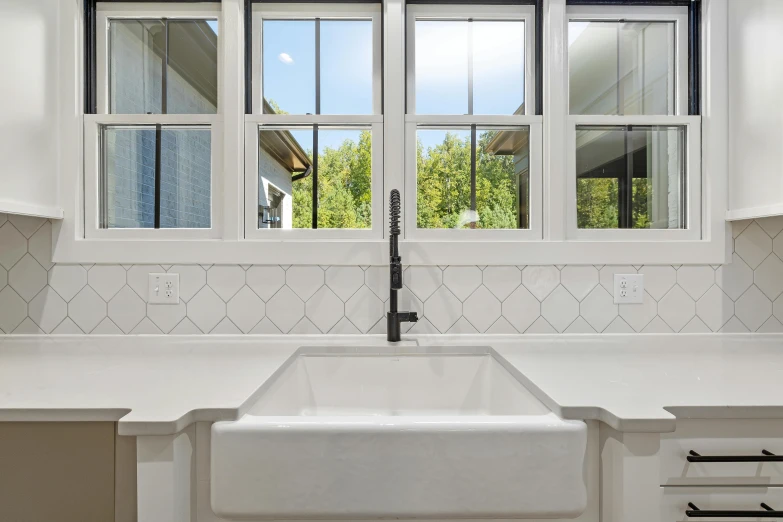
{"x": 597, "y": 203}
{"x": 443, "y": 189}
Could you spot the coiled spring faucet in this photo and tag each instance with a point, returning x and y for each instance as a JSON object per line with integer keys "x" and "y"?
{"x": 393, "y": 317}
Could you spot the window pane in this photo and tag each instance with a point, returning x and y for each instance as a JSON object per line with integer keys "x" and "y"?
{"x": 441, "y": 67}
{"x": 498, "y": 67}
{"x": 138, "y": 53}
{"x": 289, "y": 66}
{"x": 621, "y": 68}
{"x": 129, "y": 177}
{"x": 186, "y": 180}
{"x": 346, "y": 66}
{"x": 444, "y": 52}
{"x": 344, "y": 178}
{"x": 191, "y": 81}
{"x": 503, "y": 178}
{"x": 443, "y": 179}
{"x": 285, "y": 181}
{"x": 137, "y": 49}
{"x": 630, "y": 177}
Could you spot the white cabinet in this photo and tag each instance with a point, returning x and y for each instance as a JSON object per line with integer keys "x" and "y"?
{"x": 646, "y": 477}
{"x": 755, "y": 114}
{"x": 29, "y": 108}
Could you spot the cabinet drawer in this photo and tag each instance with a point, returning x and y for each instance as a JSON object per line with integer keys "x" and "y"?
{"x": 674, "y": 502}
{"x": 722, "y": 438}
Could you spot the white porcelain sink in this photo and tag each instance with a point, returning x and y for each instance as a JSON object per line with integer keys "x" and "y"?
{"x": 370, "y": 435}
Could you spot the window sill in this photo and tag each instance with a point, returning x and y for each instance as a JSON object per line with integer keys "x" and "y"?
{"x": 376, "y": 252}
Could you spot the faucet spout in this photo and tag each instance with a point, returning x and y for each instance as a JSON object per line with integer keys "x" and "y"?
{"x": 393, "y": 317}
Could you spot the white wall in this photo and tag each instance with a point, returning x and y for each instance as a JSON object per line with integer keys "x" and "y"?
{"x": 28, "y": 107}
{"x": 755, "y": 113}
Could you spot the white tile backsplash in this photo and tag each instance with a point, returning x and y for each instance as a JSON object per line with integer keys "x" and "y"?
{"x": 37, "y": 296}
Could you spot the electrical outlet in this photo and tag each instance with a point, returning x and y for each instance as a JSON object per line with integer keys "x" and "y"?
{"x": 628, "y": 288}
{"x": 163, "y": 289}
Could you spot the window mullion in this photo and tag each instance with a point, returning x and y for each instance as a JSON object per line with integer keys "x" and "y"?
{"x": 315, "y": 126}
{"x": 470, "y": 66}
{"x": 473, "y": 175}
{"x": 158, "y": 135}
{"x": 158, "y": 128}
{"x": 164, "y": 65}
{"x": 315, "y": 177}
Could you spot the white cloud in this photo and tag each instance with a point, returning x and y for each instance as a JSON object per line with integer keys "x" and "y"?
{"x": 285, "y": 58}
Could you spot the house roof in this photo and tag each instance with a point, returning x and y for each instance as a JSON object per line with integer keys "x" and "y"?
{"x": 282, "y": 146}
{"x": 508, "y": 142}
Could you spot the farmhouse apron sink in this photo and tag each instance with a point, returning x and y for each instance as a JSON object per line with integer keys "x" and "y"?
{"x": 431, "y": 434}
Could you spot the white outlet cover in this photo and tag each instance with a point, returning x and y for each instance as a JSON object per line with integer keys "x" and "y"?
{"x": 628, "y": 288}
{"x": 163, "y": 289}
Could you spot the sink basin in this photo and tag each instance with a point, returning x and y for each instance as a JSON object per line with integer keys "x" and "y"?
{"x": 367, "y": 434}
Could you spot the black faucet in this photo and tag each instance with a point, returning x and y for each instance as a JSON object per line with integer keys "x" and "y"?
{"x": 393, "y": 317}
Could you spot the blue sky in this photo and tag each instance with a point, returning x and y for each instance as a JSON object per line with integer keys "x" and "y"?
{"x": 346, "y": 69}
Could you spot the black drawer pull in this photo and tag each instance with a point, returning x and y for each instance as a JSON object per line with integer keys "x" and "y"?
{"x": 767, "y": 512}
{"x": 766, "y": 456}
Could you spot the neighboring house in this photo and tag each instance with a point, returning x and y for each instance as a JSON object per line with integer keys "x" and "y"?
{"x": 281, "y": 162}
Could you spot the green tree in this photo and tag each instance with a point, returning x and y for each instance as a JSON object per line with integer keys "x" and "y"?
{"x": 344, "y": 187}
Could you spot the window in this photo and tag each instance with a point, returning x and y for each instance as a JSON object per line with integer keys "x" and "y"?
{"x": 473, "y": 139}
{"x": 151, "y": 149}
{"x": 316, "y": 127}
{"x": 507, "y": 148}
{"x": 635, "y": 164}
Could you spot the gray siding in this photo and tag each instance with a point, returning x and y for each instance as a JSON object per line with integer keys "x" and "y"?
{"x": 130, "y": 161}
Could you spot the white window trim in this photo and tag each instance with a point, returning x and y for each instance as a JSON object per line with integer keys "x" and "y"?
{"x": 254, "y": 122}
{"x": 526, "y": 14}
{"x": 70, "y": 246}
{"x": 93, "y": 123}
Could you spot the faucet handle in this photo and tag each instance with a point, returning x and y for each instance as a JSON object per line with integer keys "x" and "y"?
{"x": 408, "y": 317}
{"x": 395, "y": 274}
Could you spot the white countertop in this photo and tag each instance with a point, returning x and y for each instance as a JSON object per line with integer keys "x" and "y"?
{"x": 155, "y": 385}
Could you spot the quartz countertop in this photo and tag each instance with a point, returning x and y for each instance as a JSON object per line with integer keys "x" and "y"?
{"x": 157, "y": 385}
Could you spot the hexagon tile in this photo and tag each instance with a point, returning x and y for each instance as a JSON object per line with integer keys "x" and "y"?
{"x": 39, "y": 297}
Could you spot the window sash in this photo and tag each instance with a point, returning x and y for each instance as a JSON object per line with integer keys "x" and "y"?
{"x": 138, "y": 11}
{"x": 535, "y": 203}
{"x": 692, "y": 173}
{"x": 252, "y": 144}
{"x": 677, "y": 15}
{"x": 294, "y": 11}
{"x": 93, "y": 154}
{"x": 525, "y": 13}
